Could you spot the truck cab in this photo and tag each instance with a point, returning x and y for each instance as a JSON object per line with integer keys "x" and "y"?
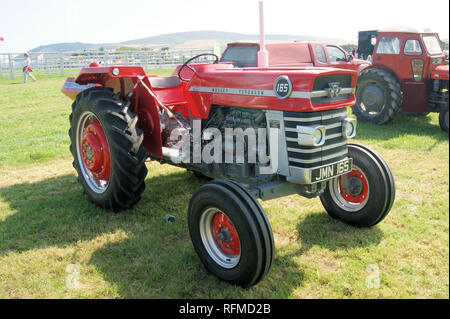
{"x": 293, "y": 54}
{"x": 408, "y": 53}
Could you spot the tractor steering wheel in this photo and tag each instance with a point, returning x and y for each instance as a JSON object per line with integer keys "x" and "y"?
{"x": 186, "y": 64}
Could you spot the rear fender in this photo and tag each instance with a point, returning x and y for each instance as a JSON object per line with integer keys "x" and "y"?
{"x": 121, "y": 80}
{"x": 385, "y": 68}
{"x": 149, "y": 121}
{"x": 71, "y": 88}
{"x": 361, "y": 65}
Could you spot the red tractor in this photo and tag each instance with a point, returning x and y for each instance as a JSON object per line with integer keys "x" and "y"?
{"x": 407, "y": 74}
{"x": 207, "y": 119}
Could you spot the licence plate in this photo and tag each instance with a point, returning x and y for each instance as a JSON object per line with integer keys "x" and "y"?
{"x": 329, "y": 171}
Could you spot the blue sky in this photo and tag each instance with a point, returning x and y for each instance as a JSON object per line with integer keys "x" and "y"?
{"x": 29, "y": 23}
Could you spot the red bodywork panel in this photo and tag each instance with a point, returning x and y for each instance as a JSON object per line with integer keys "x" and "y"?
{"x": 212, "y": 84}
{"x": 440, "y": 73}
{"x": 220, "y": 76}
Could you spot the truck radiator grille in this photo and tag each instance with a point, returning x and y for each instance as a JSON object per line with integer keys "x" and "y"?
{"x": 335, "y": 147}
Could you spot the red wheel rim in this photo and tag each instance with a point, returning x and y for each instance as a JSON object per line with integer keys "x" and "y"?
{"x": 226, "y": 235}
{"x": 94, "y": 150}
{"x": 358, "y": 197}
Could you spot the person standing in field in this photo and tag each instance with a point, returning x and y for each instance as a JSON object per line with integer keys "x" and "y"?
{"x": 27, "y": 69}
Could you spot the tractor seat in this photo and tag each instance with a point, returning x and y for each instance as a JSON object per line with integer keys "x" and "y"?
{"x": 164, "y": 82}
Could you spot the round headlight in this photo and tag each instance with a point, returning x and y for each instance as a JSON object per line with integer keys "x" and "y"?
{"x": 115, "y": 72}
{"x": 349, "y": 129}
{"x": 318, "y": 137}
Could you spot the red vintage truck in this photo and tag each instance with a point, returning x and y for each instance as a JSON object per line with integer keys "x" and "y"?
{"x": 293, "y": 54}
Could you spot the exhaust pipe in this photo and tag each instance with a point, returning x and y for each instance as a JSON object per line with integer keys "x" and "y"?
{"x": 263, "y": 55}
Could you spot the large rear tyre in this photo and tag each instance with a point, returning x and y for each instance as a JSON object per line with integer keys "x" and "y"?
{"x": 378, "y": 97}
{"x": 364, "y": 196}
{"x": 230, "y": 233}
{"x": 443, "y": 118}
{"x": 107, "y": 149}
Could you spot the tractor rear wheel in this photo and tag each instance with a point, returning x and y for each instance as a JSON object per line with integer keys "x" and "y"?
{"x": 443, "y": 118}
{"x": 230, "y": 233}
{"x": 107, "y": 149}
{"x": 378, "y": 97}
{"x": 364, "y": 196}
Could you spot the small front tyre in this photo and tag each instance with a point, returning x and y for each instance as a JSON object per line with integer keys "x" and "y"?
{"x": 230, "y": 233}
{"x": 364, "y": 196}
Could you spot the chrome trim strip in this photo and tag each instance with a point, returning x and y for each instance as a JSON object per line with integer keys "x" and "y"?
{"x": 250, "y": 92}
{"x": 325, "y": 93}
{"x": 297, "y": 119}
{"x": 333, "y": 116}
{"x": 318, "y": 149}
{"x": 268, "y": 93}
{"x": 278, "y": 153}
{"x": 310, "y": 161}
{"x": 327, "y": 137}
{"x": 327, "y": 127}
{"x": 331, "y": 136}
{"x": 316, "y": 118}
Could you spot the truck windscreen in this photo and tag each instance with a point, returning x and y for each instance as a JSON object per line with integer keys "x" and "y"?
{"x": 241, "y": 55}
{"x": 432, "y": 45}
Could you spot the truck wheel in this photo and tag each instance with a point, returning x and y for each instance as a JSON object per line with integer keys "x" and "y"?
{"x": 230, "y": 233}
{"x": 443, "y": 118}
{"x": 107, "y": 149}
{"x": 378, "y": 97}
{"x": 364, "y": 196}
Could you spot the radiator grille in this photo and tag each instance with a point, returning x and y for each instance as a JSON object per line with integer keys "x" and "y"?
{"x": 335, "y": 147}
{"x": 322, "y": 83}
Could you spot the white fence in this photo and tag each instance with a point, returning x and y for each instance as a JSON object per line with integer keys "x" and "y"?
{"x": 60, "y": 63}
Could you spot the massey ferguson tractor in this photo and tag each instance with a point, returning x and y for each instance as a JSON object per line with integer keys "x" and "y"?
{"x": 407, "y": 74}
{"x": 257, "y": 133}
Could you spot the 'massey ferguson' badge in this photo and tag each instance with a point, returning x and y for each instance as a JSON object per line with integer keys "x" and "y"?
{"x": 282, "y": 87}
{"x": 334, "y": 89}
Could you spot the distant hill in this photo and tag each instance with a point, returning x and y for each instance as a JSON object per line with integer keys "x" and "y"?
{"x": 179, "y": 40}
{"x": 72, "y": 46}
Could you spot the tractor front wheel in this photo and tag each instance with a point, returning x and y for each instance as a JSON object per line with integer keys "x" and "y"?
{"x": 107, "y": 149}
{"x": 364, "y": 196}
{"x": 230, "y": 233}
{"x": 378, "y": 97}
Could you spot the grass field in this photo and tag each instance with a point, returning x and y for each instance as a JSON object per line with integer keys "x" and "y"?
{"x": 55, "y": 244}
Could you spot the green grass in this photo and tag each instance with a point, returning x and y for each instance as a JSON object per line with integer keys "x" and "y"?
{"x": 34, "y": 119}
{"x": 47, "y": 224}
